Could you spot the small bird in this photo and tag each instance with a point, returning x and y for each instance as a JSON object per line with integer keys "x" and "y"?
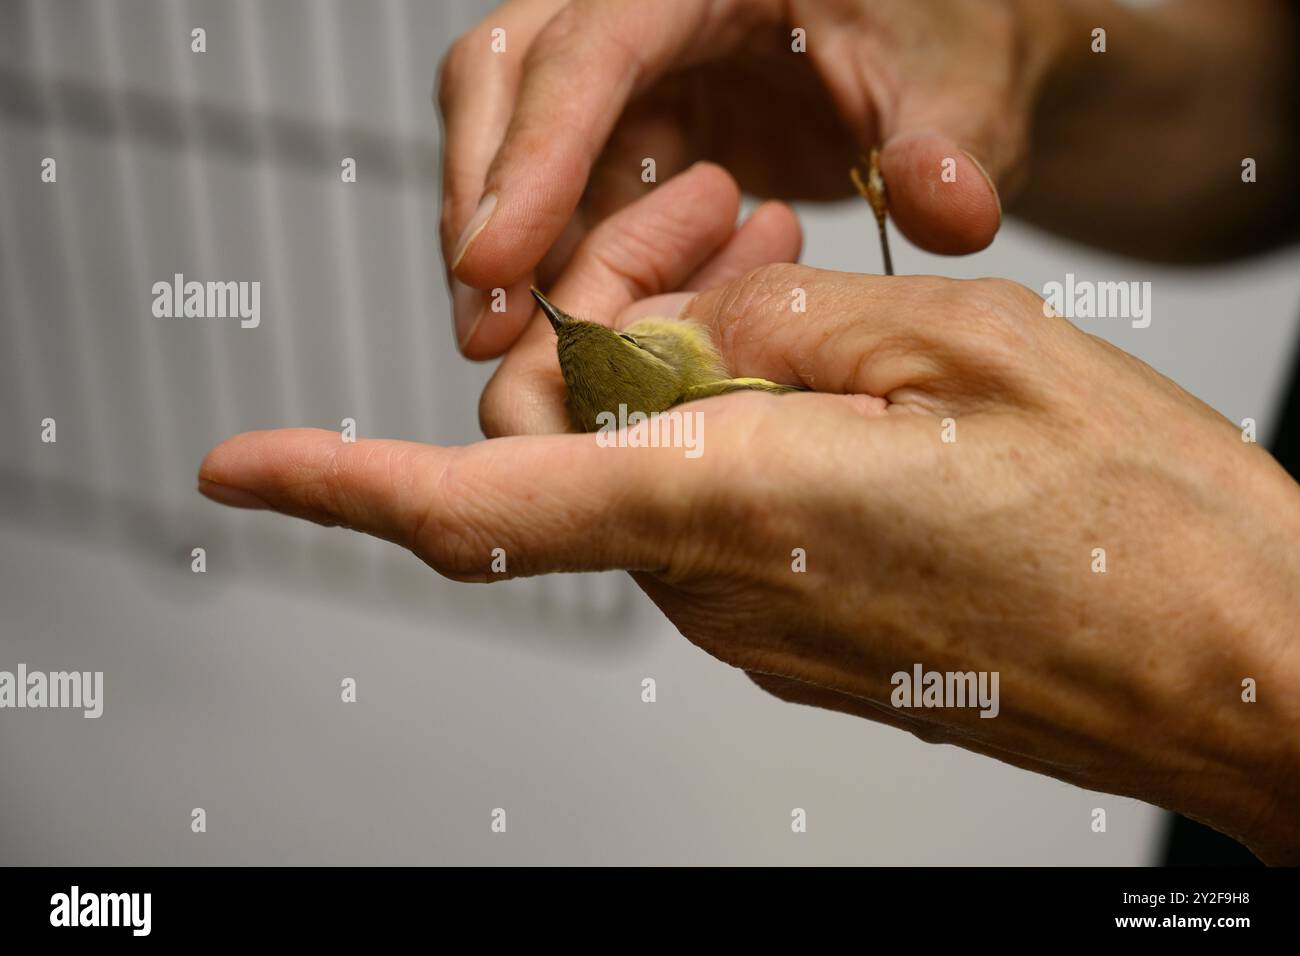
{"x": 650, "y": 366}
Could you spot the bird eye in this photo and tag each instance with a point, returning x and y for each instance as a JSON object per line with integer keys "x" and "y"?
{"x": 627, "y": 338}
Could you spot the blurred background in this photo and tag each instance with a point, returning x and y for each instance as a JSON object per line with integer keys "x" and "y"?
{"x": 222, "y": 689}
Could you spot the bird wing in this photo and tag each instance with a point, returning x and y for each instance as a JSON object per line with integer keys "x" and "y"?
{"x": 725, "y": 385}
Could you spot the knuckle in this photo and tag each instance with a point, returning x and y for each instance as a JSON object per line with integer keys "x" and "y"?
{"x": 988, "y": 334}
{"x": 1016, "y": 296}
{"x": 986, "y": 298}
{"x": 354, "y": 475}
{"x": 512, "y": 399}
{"x": 756, "y": 291}
{"x": 628, "y": 258}
{"x": 333, "y": 490}
{"x": 443, "y": 539}
{"x": 1007, "y": 295}
{"x": 563, "y": 31}
{"x": 767, "y": 279}
{"x": 322, "y": 494}
{"x": 493, "y": 410}
{"x": 991, "y": 313}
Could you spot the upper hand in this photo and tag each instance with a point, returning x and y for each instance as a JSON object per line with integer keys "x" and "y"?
{"x": 585, "y": 90}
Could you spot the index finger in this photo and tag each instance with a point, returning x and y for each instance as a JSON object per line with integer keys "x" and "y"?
{"x": 475, "y": 96}
{"x": 579, "y": 74}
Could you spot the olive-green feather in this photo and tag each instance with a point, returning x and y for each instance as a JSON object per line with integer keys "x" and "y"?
{"x": 648, "y": 367}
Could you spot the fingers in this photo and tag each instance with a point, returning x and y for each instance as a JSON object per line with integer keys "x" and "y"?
{"x": 771, "y": 234}
{"x": 616, "y": 267}
{"x": 527, "y": 397}
{"x": 686, "y": 221}
{"x": 478, "y": 81}
{"x": 475, "y": 96}
{"x": 940, "y": 197}
{"x": 648, "y": 129}
{"x": 477, "y": 84}
{"x": 579, "y": 74}
{"x": 955, "y": 138}
{"x": 651, "y": 246}
{"x": 549, "y": 503}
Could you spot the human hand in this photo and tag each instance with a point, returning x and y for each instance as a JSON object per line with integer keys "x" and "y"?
{"x": 546, "y": 139}
{"x": 682, "y": 235}
{"x": 977, "y": 554}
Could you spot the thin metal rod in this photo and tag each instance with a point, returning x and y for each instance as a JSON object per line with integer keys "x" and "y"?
{"x": 872, "y": 189}
{"x": 884, "y": 248}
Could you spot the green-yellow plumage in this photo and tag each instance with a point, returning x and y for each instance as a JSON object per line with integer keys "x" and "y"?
{"x": 650, "y": 366}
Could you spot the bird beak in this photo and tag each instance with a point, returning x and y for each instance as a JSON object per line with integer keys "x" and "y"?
{"x": 557, "y": 317}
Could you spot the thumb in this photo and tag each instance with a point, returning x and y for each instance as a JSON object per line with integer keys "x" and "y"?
{"x": 955, "y": 135}
{"x": 940, "y": 195}
{"x": 548, "y": 503}
{"x": 829, "y": 331}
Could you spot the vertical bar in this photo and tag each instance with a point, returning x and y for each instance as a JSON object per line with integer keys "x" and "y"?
{"x": 328, "y": 62}
{"x": 419, "y": 258}
{"x": 217, "y": 383}
{"x": 160, "y": 430}
{"x": 84, "y": 378}
{"x": 272, "y": 233}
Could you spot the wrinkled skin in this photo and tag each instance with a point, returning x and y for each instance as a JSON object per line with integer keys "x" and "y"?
{"x": 977, "y": 554}
{"x": 557, "y": 126}
{"x": 968, "y": 555}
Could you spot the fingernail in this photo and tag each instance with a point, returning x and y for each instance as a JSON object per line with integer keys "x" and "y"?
{"x": 474, "y": 227}
{"x": 988, "y": 179}
{"x": 467, "y": 306}
{"x": 234, "y": 497}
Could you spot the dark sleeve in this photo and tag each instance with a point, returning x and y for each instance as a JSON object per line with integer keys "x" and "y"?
{"x": 1286, "y": 441}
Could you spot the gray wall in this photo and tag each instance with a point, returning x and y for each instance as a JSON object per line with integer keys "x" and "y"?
{"x": 222, "y": 689}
